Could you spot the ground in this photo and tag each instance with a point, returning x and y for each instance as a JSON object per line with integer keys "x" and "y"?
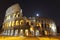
{"x": 28, "y": 38}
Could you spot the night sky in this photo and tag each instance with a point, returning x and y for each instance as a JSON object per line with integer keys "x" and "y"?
{"x": 44, "y": 8}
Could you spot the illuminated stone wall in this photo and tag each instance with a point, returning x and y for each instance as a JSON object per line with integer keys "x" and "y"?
{"x": 16, "y": 25}
{"x": 12, "y": 17}
{"x": 13, "y": 13}
{"x": 45, "y": 25}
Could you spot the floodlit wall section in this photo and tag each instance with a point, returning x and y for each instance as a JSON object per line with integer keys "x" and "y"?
{"x": 16, "y": 25}
{"x": 12, "y": 14}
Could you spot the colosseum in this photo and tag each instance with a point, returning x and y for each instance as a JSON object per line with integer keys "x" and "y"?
{"x": 15, "y": 24}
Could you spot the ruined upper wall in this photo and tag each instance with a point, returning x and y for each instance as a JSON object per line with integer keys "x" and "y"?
{"x": 12, "y": 9}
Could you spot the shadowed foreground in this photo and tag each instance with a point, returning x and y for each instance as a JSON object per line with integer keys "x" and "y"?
{"x": 28, "y": 38}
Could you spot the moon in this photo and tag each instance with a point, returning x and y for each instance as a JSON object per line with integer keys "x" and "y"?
{"x": 37, "y": 14}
